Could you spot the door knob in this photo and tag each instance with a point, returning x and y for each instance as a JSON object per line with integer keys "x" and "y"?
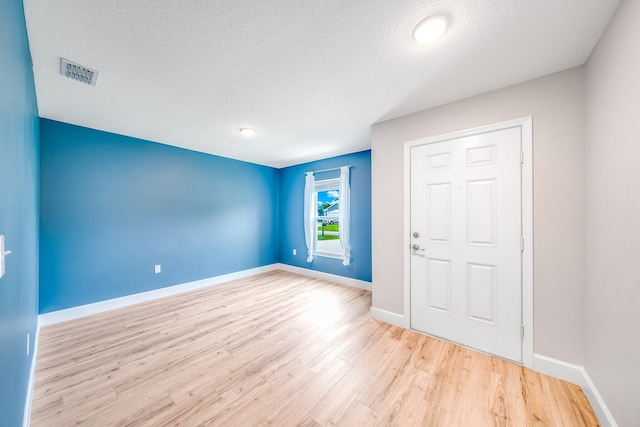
{"x": 416, "y": 247}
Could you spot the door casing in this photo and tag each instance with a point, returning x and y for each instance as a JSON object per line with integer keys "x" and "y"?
{"x": 525, "y": 125}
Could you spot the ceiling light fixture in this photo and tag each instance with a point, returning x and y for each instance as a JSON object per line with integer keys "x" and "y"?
{"x": 430, "y": 29}
{"x": 247, "y": 132}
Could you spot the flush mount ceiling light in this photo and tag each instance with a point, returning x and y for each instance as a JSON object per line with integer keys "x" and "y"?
{"x": 430, "y": 29}
{"x": 247, "y": 132}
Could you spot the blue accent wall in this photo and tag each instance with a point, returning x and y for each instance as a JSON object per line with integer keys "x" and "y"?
{"x": 18, "y": 211}
{"x": 292, "y": 223}
{"x": 112, "y": 207}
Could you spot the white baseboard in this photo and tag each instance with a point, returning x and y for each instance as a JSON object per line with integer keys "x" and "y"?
{"x": 111, "y": 304}
{"x": 387, "y": 317}
{"x": 348, "y": 281}
{"x": 26, "y": 418}
{"x": 597, "y": 403}
{"x": 577, "y": 375}
{"x": 559, "y": 369}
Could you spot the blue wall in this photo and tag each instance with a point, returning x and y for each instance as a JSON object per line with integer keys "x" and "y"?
{"x": 291, "y": 216}
{"x": 112, "y": 207}
{"x": 18, "y": 211}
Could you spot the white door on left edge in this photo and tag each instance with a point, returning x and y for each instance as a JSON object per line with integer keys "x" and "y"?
{"x": 466, "y": 225}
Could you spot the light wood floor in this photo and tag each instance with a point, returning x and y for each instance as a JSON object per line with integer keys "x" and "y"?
{"x": 285, "y": 350}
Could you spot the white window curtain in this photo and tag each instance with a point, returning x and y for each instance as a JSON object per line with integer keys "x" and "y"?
{"x": 310, "y": 214}
{"x": 344, "y": 214}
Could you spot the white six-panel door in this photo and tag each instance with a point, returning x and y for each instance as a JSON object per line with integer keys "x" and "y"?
{"x": 466, "y": 231}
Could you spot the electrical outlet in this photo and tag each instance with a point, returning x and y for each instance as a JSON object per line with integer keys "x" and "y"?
{"x": 157, "y": 269}
{"x": 294, "y": 252}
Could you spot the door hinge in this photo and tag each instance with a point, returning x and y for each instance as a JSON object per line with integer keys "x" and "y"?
{"x": 522, "y": 244}
{"x": 521, "y": 331}
{"x": 521, "y": 156}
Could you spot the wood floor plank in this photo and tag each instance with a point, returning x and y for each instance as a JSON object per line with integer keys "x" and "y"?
{"x": 289, "y": 413}
{"x": 358, "y": 415}
{"x": 279, "y": 349}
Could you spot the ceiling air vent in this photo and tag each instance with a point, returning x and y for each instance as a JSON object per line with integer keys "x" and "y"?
{"x": 78, "y": 72}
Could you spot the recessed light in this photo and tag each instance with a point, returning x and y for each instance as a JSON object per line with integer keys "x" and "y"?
{"x": 247, "y": 132}
{"x": 430, "y": 29}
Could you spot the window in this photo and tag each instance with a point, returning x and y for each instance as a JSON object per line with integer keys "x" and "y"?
{"x": 327, "y": 196}
{"x": 326, "y": 216}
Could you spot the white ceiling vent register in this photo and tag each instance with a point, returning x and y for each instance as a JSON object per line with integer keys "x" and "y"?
{"x": 78, "y": 72}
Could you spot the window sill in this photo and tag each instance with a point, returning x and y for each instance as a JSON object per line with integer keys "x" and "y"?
{"x": 328, "y": 255}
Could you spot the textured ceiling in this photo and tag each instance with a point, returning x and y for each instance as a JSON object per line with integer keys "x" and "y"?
{"x": 310, "y": 76}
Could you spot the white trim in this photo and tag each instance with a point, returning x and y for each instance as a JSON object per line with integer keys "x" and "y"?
{"x": 387, "y": 317}
{"x": 527, "y": 234}
{"x": 469, "y": 132}
{"x": 577, "y": 375}
{"x": 559, "y": 369}
{"x": 525, "y": 123}
{"x": 327, "y": 255}
{"x": 111, "y": 304}
{"x": 26, "y": 418}
{"x": 347, "y": 281}
{"x": 407, "y": 237}
{"x": 597, "y": 403}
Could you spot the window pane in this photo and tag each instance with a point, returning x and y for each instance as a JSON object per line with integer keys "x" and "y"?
{"x": 328, "y": 202}
{"x": 328, "y": 228}
{"x": 328, "y": 209}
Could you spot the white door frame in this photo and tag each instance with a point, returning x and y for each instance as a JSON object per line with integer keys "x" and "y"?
{"x": 525, "y": 124}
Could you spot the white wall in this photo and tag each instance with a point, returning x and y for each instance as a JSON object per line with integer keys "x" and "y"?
{"x": 612, "y": 132}
{"x": 556, "y": 104}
